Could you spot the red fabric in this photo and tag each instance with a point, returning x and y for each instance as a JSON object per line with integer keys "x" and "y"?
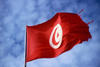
{"x": 74, "y": 31}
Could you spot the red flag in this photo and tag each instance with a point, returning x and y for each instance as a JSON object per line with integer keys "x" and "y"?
{"x": 55, "y": 36}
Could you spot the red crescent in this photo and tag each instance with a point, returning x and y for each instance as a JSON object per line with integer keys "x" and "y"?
{"x": 53, "y": 38}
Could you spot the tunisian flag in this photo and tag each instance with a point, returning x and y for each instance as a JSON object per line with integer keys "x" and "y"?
{"x": 55, "y": 36}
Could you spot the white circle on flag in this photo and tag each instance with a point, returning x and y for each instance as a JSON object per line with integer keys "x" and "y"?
{"x": 56, "y": 37}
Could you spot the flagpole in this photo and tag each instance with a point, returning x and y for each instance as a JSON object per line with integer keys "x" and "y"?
{"x": 25, "y": 65}
{"x": 25, "y": 46}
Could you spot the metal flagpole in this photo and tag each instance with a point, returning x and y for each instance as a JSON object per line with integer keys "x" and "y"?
{"x": 25, "y": 65}
{"x": 25, "y": 45}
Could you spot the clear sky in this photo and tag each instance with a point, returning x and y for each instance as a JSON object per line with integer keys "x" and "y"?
{"x": 16, "y": 14}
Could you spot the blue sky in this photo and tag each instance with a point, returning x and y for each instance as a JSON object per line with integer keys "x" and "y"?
{"x": 16, "y": 14}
